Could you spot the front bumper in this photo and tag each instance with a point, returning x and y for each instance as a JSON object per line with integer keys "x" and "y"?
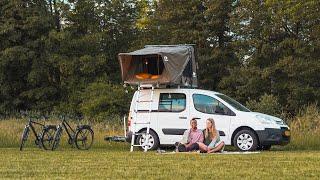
{"x": 271, "y": 136}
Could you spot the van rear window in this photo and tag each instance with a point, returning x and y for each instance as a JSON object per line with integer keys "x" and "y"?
{"x": 172, "y": 102}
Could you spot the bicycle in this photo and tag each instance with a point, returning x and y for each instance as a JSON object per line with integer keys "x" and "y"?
{"x": 44, "y": 139}
{"x": 82, "y": 136}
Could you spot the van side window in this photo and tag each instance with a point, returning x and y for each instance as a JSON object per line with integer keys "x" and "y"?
{"x": 209, "y": 105}
{"x": 172, "y": 102}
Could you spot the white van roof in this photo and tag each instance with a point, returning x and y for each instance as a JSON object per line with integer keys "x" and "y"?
{"x": 184, "y": 89}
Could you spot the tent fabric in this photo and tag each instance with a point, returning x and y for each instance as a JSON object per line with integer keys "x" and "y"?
{"x": 178, "y": 61}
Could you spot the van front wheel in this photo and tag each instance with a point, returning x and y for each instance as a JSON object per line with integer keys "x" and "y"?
{"x": 153, "y": 140}
{"x": 245, "y": 140}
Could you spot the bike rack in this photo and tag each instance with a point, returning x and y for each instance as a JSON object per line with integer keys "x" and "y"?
{"x": 119, "y": 138}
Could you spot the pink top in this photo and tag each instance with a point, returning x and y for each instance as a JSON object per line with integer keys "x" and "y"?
{"x": 195, "y": 136}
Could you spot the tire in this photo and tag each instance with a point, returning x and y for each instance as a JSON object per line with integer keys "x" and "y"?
{"x": 84, "y": 138}
{"x": 246, "y": 140}
{"x": 57, "y": 137}
{"x": 24, "y": 137}
{"x": 154, "y": 142}
{"x": 47, "y": 137}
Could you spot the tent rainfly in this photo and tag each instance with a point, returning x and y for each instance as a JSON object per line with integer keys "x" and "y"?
{"x": 161, "y": 65}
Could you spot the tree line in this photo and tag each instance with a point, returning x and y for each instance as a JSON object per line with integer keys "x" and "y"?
{"x": 61, "y": 55}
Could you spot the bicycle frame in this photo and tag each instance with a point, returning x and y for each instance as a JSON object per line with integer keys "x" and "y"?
{"x": 30, "y": 124}
{"x": 68, "y": 128}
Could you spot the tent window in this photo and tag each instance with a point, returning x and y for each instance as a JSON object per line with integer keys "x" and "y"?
{"x": 148, "y": 66}
{"x": 151, "y": 64}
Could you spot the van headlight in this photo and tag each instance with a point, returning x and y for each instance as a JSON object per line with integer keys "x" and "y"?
{"x": 265, "y": 119}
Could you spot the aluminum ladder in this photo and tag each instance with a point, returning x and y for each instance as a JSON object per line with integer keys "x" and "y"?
{"x": 146, "y": 134}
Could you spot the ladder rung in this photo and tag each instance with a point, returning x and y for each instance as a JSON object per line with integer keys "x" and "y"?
{"x": 138, "y": 133}
{"x": 137, "y": 145}
{"x": 141, "y": 123}
{"x": 143, "y": 111}
{"x": 146, "y": 85}
{"x": 145, "y": 101}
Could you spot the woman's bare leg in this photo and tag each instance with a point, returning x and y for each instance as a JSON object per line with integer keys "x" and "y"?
{"x": 202, "y": 147}
{"x": 216, "y": 149}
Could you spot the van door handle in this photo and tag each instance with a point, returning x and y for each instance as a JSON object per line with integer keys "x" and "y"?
{"x": 196, "y": 118}
{"x": 182, "y": 117}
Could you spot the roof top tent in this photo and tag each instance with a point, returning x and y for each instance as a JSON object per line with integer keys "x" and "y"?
{"x": 160, "y": 65}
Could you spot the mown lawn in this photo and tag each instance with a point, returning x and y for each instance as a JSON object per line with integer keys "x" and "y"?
{"x": 107, "y": 160}
{"x": 115, "y": 162}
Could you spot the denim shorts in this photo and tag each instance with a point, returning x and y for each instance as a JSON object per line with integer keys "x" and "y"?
{"x": 214, "y": 144}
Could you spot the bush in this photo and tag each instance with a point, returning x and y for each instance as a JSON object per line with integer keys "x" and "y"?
{"x": 101, "y": 101}
{"x": 305, "y": 129}
{"x": 307, "y": 120}
{"x": 267, "y": 104}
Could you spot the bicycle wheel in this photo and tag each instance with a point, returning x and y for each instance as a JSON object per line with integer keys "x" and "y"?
{"x": 84, "y": 138}
{"x": 56, "y": 139}
{"x": 24, "y": 137}
{"x": 47, "y": 137}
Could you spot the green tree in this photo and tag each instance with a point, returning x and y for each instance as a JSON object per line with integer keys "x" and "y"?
{"x": 85, "y": 50}
{"x": 25, "y": 74}
{"x": 278, "y": 38}
{"x": 204, "y": 23}
{"x": 220, "y": 56}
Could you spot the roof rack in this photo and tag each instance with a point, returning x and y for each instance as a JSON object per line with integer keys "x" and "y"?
{"x": 163, "y": 86}
{"x": 169, "y": 45}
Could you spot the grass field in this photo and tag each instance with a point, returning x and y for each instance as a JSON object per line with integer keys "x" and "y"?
{"x": 109, "y": 160}
{"x": 116, "y": 162}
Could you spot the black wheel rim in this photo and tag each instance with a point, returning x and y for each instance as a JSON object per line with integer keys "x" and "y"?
{"x": 84, "y": 139}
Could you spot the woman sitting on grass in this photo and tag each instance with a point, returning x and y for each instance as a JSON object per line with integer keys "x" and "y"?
{"x": 212, "y": 142}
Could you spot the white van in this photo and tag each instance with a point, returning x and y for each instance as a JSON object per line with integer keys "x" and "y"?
{"x": 172, "y": 110}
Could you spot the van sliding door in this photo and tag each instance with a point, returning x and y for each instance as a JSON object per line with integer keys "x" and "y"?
{"x": 172, "y": 116}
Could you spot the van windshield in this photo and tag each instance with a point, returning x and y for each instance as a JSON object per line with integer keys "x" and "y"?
{"x": 233, "y": 103}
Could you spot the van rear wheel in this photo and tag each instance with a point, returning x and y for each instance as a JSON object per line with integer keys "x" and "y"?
{"x": 246, "y": 140}
{"x": 153, "y": 140}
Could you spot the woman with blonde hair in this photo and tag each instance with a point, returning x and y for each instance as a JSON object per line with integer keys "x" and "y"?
{"x": 212, "y": 142}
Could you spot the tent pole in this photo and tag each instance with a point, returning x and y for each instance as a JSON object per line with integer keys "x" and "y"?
{"x": 158, "y": 65}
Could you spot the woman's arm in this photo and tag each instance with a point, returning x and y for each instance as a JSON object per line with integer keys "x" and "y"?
{"x": 185, "y": 137}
